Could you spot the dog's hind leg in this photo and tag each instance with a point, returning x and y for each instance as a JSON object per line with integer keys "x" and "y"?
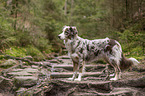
{"x": 81, "y": 71}
{"x": 117, "y": 71}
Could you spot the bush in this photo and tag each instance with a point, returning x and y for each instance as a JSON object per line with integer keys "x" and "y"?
{"x": 16, "y": 51}
{"x": 29, "y": 50}
{"x": 132, "y": 42}
{"x": 35, "y": 53}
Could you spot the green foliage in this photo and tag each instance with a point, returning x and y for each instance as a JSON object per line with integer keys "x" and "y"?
{"x": 25, "y": 51}
{"x": 35, "y": 53}
{"x": 1, "y": 57}
{"x": 36, "y": 23}
{"x": 132, "y": 41}
{"x": 16, "y": 52}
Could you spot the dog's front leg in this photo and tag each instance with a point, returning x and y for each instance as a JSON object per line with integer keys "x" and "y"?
{"x": 75, "y": 69}
{"x": 81, "y": 71}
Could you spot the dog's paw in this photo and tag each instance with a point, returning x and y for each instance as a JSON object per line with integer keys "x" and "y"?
{"x": 112, "y": 74}
{"x": 113, "y": 79}
{"x": 78, "y": 79}
{"x": 70, "y": 79}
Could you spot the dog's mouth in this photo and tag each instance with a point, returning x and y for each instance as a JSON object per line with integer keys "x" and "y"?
{"x": 60, "y": 37}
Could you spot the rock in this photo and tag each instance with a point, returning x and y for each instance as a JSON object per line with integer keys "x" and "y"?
{"x": 87, "y": 67}
{"x": 89, "y": 88}
{"x": 24, "y": 92}
{"x": 64, "y": 57}
{"x": 20, "y": 90}
{"x": 5, "y": 84}
{"x": 54, "y": 61}
{"x": 9, "y": 63}
{"x": 44, "y": 72}
{"x": 31, "y": 70}
{"x": 17, "y": 70}
{"x": 37, "y": 90}
{"x": 21, "y": 73}
{"x": 137, "y": 82}
{"x": 35, "y": 67}
{"x": 25, "y": 81}
{"x": 28, "y": 57}
{"x": 69, "y": 74}
{"x": 48, "y": 64}
{"x": 122, "y": 91}
{"x": 67, "y": 88}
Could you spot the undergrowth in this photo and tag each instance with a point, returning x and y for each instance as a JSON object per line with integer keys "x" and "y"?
{"x": 26, "y": 51}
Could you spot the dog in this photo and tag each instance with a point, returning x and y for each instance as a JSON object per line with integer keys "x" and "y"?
{"x": 83, "y": 51}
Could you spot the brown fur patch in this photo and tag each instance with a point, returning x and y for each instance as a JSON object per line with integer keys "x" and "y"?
{"x": 125, "y": 63}
{"x": 111, "y": 44}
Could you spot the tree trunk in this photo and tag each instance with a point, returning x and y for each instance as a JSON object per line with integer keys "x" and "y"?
{"x": 71, "y": 13}
{"x": 127, "y": 7}
{"x": 65, "y": 8}
{"x": 14, "y": 12}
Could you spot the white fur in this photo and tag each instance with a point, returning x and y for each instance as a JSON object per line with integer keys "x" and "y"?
{"x": 135, "y": 62}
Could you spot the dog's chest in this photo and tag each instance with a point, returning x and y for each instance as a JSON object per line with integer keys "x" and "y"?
{"x": 69, "y": 46}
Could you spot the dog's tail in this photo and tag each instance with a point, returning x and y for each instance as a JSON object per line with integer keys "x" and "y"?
{"x": 126, "y": 63}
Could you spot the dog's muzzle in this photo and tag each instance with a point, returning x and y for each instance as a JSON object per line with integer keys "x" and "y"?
{"x": 58, "y": 36}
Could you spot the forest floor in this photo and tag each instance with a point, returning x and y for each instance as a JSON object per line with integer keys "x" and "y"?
{"x": 49, "y": 78}
{"x": 131, "y": 84}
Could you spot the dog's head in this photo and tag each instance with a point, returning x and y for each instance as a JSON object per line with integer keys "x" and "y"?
{"x": 68, "y": 32}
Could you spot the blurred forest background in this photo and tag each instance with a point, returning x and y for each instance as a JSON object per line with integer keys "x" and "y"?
{"x": 30, "y": 27}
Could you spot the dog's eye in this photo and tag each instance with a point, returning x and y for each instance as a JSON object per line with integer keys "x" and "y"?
{"x": 67, "y": 29}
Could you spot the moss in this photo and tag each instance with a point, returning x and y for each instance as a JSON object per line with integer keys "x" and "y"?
{"x": 16, "y": 51}
{"x": 35, "y": 53}
{"x": 27, "y": 51}
{"x": 1, "y": 56}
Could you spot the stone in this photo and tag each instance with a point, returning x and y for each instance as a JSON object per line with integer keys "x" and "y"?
{"x": 35, "y": 67}
{"x": 45, "y": 63}
{"x": 17, "y": 70}
{"x": 64, "y": 57}
{"x": 137, "y": 82}
{"x": 21, "y": 73}
{"x": 5, "y": 84}
{"x": 122, "y": 91}
{"x": 20, "y": 90}
{"x": 25, "y": 81}
{"x": 9, "y": 63}
{"x": 54, "y": 61}
{"x": 69, "y": 74}
{"x": 65, "y": 61}
{"x": 87, "y": 67}
{"x": 28, "y": 57}
{"x": 31, "y": 70}
{"x": 44, "y": 72}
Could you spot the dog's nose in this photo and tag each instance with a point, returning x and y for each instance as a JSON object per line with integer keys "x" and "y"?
{"x": 58, "y": 36}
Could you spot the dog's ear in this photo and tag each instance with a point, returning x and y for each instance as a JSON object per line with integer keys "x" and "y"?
{"x": 73, "y": 30}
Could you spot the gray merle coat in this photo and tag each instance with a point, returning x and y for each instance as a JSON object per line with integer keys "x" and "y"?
{"x": 83, "y": 51}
